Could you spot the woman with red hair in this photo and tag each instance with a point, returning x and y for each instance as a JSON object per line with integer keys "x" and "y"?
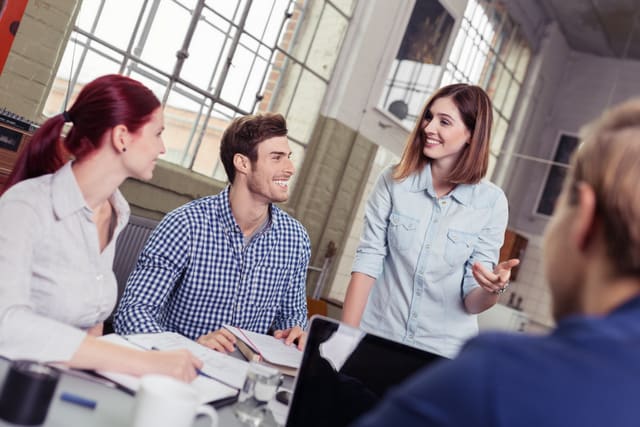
{"x": 61, "y": 212}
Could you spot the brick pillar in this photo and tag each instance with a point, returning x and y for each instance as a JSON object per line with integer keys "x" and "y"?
{"x": 328, "y": 192}
{"x": 35, "y": 55}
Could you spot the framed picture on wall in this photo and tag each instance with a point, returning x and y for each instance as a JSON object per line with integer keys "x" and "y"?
{"x": 566, "y": 144}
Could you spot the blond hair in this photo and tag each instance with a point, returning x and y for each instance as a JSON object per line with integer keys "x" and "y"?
{"x": 609, "y": 161}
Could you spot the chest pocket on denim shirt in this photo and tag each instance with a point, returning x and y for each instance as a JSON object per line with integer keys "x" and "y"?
{"x": 402, "y": 230}
{"x": 458, "y": 247}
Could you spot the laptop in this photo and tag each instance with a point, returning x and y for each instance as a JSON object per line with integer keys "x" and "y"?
{"x": 345, "y": 372}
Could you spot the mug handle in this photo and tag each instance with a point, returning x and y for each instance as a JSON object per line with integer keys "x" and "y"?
{"x": 210, "y": 412}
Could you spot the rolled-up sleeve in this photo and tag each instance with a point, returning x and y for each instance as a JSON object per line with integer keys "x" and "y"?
{"x": 369, "y": 258}
{"x": 487, "y": 248}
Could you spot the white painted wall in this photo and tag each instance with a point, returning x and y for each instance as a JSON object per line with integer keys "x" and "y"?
{"x": 567, "y": 90}
{"x": 571, "y": 89}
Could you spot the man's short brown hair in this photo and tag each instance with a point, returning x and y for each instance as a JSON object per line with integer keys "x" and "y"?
{"x": 243, "y": 135}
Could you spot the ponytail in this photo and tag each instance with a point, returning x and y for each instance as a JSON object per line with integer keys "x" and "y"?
{"x": 101, "y": 104}
{"x": 43, "y": 154}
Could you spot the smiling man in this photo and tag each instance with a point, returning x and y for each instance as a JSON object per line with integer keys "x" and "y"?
{"x": 233, "y": 258}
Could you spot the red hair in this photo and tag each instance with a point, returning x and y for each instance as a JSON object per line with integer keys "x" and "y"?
{"x": 101, "y": 105}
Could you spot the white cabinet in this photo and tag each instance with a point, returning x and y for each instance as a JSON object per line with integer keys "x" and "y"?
{"x": 501, "y": 317}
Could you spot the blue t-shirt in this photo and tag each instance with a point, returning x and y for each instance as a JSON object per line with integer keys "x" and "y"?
{"x": 586, "y": 373}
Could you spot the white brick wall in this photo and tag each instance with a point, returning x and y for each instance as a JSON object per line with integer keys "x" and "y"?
{"x": 343, "y": 272}
{"x": 531, "y": 288}
{"x": 34, "y": 55}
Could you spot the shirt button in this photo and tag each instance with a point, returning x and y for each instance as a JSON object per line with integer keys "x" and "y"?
{"x": 427, "y": 246}
{"x": 444, "y": 202}
{"x": 99, "y": 277}
{"x": 411, "y": 336}
{"x": 414, "y": 315}
{"x": 435, "y": 220}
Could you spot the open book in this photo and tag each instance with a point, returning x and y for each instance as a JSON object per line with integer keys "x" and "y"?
{"x": 210, "y": 390}
{"x": 222, "y": 367}
{"x": 267, "y": 349}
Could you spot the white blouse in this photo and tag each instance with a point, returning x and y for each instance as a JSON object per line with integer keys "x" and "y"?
{"x": 54, "y": 281}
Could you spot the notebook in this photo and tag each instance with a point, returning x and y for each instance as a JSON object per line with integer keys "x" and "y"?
{"x": 267, "y": 349}
{"x": 345, "y": 372}
{"x": 223, "y": 367}
{"x": 210, "y": 390}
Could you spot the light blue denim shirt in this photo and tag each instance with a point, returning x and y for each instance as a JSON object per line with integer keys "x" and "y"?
{"x": 420, "y": 249}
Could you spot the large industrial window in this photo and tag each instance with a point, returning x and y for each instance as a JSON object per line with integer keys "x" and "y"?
{"x": 417, "y": 68}
{"x": 210, "y": 61}
{"x": 556, "y": 172}
{"x": 490, "y": 51}
{"x": 487, "y": 50}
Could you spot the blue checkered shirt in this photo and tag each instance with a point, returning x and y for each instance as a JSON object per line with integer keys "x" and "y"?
{"x": 195, "y": 274}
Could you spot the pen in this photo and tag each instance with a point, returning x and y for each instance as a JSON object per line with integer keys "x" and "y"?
{"x": 78, "y": 400}
{"x": 204, "y": 374}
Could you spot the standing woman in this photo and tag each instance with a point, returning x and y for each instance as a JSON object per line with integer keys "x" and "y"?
{"x": 60, "y": 220}
{"x": 426, "y": 264}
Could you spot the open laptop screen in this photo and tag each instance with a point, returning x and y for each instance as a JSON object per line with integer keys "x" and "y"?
{"x": 345, "y": 372}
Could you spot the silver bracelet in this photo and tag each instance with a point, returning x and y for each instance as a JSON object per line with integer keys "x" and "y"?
{"x": 502, "y": 289}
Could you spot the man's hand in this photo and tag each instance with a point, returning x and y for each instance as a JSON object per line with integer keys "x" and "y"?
{"x": 292, "y": 334}
{"x": 221, "y": 340}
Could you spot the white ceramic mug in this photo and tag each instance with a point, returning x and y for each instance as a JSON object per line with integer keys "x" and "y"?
{"x": 164, "y": 401}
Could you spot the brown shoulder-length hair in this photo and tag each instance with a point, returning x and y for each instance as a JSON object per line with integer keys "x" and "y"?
{"x": 475, "y": 109}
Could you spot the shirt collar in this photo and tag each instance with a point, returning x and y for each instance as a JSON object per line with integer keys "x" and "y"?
{"x": 624, "y": 318}
{"x": 630, "y": 306}
{"x": 65, "y": 192}
{"x": 229, "y": 220}
{"x": 423, "y": 181}
{"x": 121, "y": 207}
{"x": 67, "y": 197}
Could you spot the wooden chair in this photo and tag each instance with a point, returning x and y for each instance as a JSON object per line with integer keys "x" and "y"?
{"x": 316, "y": 306}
